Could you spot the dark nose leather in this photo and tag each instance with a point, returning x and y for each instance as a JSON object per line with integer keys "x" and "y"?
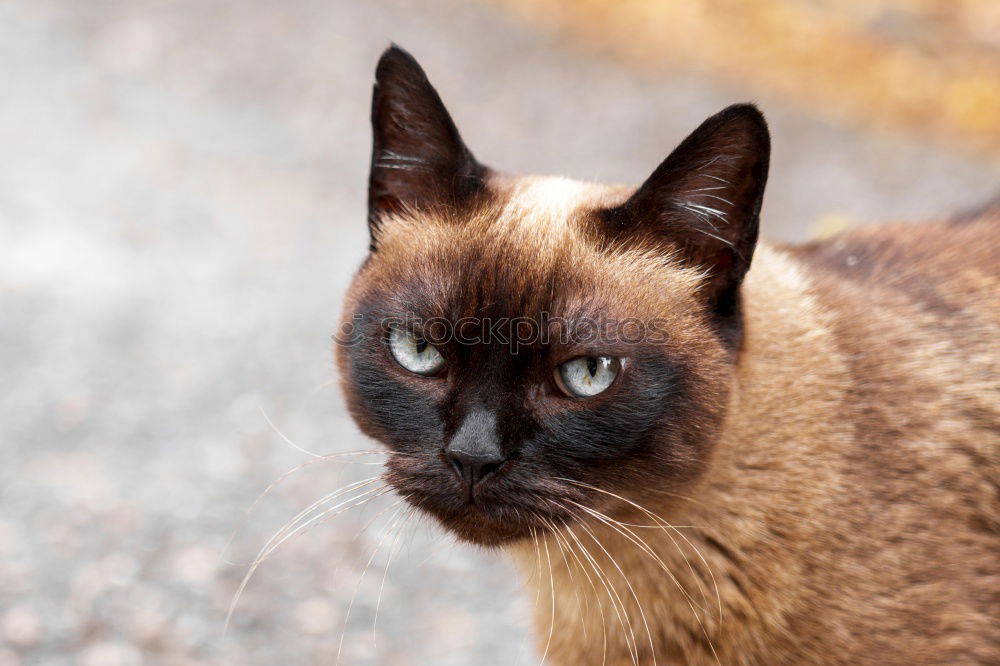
{"x": 474, "y": 451}
{"x": 474, "y": 466}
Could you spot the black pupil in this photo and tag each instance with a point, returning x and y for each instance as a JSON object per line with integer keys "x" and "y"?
{"x": 592, "y": 366}
{"x": 421, "y": 345}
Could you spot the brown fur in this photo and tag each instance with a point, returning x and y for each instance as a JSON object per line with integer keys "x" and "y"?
{"x": 850, "y": 513}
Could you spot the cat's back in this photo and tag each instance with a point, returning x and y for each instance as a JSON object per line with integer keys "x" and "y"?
{"x": 915, "y": 303}
{"x": 945, "y": 269}
{"x": 914, "y": 318}
{"x": 914, "y": 311}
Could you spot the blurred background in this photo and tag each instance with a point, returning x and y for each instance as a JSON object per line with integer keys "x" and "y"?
{"x": 182, "y": 204}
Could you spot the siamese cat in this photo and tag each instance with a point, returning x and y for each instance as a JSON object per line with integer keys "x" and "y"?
{"x": 700, "y": 449}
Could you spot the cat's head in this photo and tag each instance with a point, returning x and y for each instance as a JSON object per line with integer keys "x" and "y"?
{"x": 530, "y": 348}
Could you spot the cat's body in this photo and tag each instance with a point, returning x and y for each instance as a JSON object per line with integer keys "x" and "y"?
{"x": 850, "y": 512}
{"x": 798, "y": 467}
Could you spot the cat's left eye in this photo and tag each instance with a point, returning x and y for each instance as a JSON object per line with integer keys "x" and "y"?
{"x": 414, "y": 353}
{"x": 587, "y": 376}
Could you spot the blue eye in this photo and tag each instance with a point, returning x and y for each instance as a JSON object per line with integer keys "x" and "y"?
{"x": 414, "y": 353}
{"x": 587, "y": 376}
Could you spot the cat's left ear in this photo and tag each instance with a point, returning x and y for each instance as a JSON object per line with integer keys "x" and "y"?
{"x": 419, "y": 161}
{"x": 703, "y": 202}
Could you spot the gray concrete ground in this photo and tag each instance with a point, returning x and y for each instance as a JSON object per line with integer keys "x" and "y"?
{"x": 181, "y": 207}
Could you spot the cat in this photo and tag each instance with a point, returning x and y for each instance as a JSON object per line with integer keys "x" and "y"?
{"x": 693, "y": 461}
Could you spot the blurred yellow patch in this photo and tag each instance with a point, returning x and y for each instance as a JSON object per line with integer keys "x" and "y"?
{"x": 925, "y": 66}
{"x": 831, "y": 224}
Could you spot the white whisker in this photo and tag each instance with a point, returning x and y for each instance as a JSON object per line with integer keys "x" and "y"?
{"x": 385, "y": 575}
{"x": 667, "y": 525}
{"x": 287, "y": 532}
{"x": 283, "y": 437}
{"x": 617, "y": 606}
{"x": 628, "y": 583}
{"x": 378, "y": 546}
{"x": 569, "y": 570}
{"x": 597, "y": 600}
{"x": 552, "y": 600}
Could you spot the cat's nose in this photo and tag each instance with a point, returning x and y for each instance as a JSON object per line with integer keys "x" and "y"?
{"x": 474, "y": 466}
{"x": 474, "y": 451}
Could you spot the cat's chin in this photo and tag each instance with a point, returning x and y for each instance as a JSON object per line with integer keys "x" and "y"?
{"x": 489, "y": 537}
{"x": 472, "y": 526}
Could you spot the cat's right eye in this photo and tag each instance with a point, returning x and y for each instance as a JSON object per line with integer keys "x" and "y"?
{"x": 414, "y": 353}
{"x": 587, "y": 376}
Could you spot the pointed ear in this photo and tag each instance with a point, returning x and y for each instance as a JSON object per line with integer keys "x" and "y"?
{"x": 704, "y": 200}
{"x": 418, "y": 158}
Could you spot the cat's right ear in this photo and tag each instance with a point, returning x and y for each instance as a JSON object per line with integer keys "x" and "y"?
{"x": 419, "y": 161}
{"x": 703, "y": 204}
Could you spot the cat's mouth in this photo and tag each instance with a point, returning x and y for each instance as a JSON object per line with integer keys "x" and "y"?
{"x": 498, "y": 514}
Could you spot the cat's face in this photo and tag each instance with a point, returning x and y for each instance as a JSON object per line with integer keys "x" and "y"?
{"x": 530, "y": 348}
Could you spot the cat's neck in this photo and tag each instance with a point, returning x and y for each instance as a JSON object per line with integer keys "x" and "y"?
{"x": 713, "y": 566}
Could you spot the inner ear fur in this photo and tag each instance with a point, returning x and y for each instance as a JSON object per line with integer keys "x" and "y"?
{"x": 702, "y": 203}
